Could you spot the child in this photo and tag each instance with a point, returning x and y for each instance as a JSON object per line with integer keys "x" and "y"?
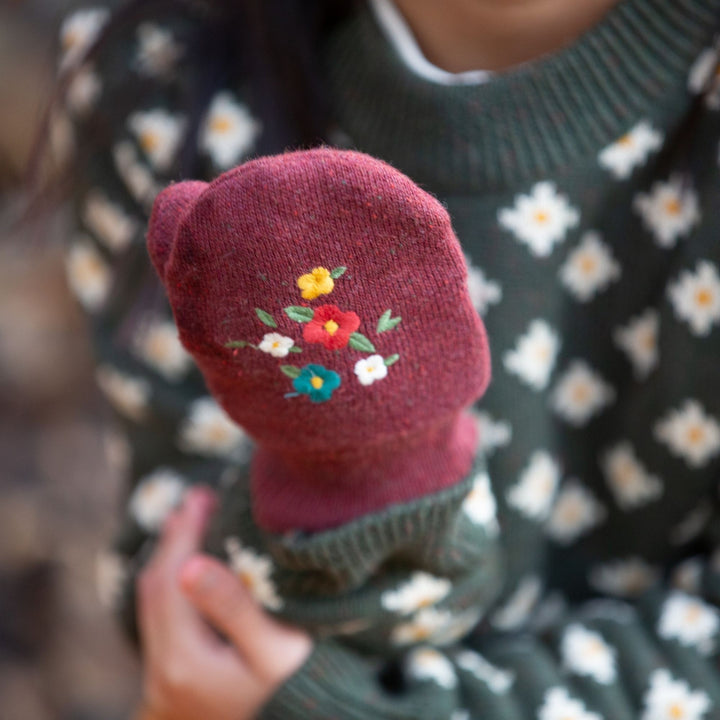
{"x": 584, "y": 187}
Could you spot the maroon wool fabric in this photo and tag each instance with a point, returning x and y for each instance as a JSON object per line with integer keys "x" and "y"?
{"x": 347, "y": 260}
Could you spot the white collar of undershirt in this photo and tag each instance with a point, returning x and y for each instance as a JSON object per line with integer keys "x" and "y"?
{"x": 400, "y": 36}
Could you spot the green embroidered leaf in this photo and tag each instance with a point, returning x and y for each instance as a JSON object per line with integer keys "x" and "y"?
{"x": 387, "y": 322}
{"x": 237, "y": 344}
{"x": 391, "y": 360}
{"x": 295, "y": 349}
{"x": 360, "y": 342}
{"x": 266, "y": 318}
{"x": 292, "y": 371}
{"x": 298, "y": 313}
{"x": 337, "y": 272}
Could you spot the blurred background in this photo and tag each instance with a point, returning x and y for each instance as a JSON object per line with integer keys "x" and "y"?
{"x": 61, "y": 655}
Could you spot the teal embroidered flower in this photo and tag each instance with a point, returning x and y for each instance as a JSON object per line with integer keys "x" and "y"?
{"x": 317, "y": 382}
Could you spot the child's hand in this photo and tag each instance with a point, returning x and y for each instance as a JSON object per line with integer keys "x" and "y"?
{"x": 190, "y": 672}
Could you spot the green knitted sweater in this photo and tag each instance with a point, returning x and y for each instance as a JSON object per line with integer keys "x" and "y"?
{"x": 585, "y": 188}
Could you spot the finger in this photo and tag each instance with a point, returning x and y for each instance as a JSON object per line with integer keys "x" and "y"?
{"x": 273, "y": 650}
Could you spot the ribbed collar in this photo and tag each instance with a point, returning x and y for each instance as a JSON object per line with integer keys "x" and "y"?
{"x": 533, "y": 121}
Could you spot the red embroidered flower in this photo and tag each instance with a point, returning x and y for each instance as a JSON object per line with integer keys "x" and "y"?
{"x": 331, "y": 327}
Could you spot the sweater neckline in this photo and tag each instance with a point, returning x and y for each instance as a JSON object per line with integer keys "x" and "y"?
{"x": 531, "y": 121}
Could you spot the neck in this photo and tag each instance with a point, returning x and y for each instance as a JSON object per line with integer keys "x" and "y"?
{"x": 462, "y": 35}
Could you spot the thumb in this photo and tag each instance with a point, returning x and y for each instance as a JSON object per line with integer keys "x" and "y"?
{"x": 273, "y": 650}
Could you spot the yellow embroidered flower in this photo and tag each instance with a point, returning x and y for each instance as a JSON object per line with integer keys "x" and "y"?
{"x": 316, "y": 283}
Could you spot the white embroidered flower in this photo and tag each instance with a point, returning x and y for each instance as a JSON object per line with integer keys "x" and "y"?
{"x": 420, "y": 591}
{"x": 88, "y": 274}
{"x": 690, "y": 433}
{"x": 639, "y": 340}
{"x": 687, "y": 576}
{"x": 429, "y": 664}
{"x": 83, "y": 91}
{"x": 276, "y": 344}
{"x": 589, "y": 268}
{"x": 575, "y": 512}
{"x": 157, "y": 52}
{"x": 690, "y": 621}
{"x": 255, "y": 572}
{"x": 79, "y": 31}
{"x": 492, "y": 434}
{"x": 623, "y": 578}
{"x": 128, "y": 395}
{"x": 439, "y": 627}
{"x": 110, "y": 224}
{"x": 138, "y": 180}
{"x": 515, "y": 611}
{"x": 631, "y": 484}
{"x": 704, "y": 76}
{"x": 535, "y": 490}
{"x": 669, "y": 211}
{"x": 558, "y": 705}
{"x": 111, "y": 575}
{"x": 584, "y": 652}
{"x": 117, "y": 450}
{"x": 580, "y": 393}
{"x": 696, "y": 297}
{"x": 534, "y": 355}
{"x": 480, "y": 506}
{"x": 159, "y": 135}
{"x": 207, "y": 430}
{"x": 540, "y": 219}
{"x": 155, "y": 497}
{"x": 157, "y": 343}
{"x": 229, "y": 130}
{"x": 631, "y": 150}
{"x": 692, "y": 524}
{"x": 671, "y": 699}
{"x": 483, "y": 292}
{"x": 370, "y": 369}
{"x": 498, "y": 680}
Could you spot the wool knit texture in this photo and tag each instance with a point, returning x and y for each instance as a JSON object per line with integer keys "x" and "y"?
{"x": 583, "y": 545}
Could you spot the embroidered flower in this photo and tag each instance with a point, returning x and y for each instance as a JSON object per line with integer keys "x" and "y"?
{"x": 483, "y": 292}
{"x": 580, "y": 393}
{"x": 88, "y": 274}
{"x": 704, "y": 76}
{"x": 429, "y": 664}
{"x": 317, "y": 382}
{"x": 370, "y": 369}
{"x": 159, "y": 135}
{"x": 498, "y": 680}
{"x": 440, "y": 627}
{"x": 631, "y": 150}
{"x": 111, "y": 576}
{"x": 696, "y": 297}
{"x": 492, "y": 434}
{"x": 128, "y": 395}
{"x": 690, "y": 433}
{"x": 669, "y": 211}
{"x": 108, "y": 221}
{"x": 84, "y": 90}
{"x": 207, "y": 430}
{"x": 331, "y": 327}
{"x": 584, "y": 652}
{"x": 315, "y": 283}
{"x": 540, "y": 219}
{"x": 157, "y": 52}
{"x": 276, "y": 344}
{"x": 480, "y": 506}
{"x": 690, "y": 621}
{"x": 558, "y": 705}
{"x": 157, "y": 343}
{"x": 515, "y": 611}
{"x": 534, "y": 492}
{"x": 138, "y": 180}
{"x": 229, "y": 130}
{"x": 671, "y": 699}
{"x": 155, "y": 497}
{"x": 420, "y": 591}
{"x": 627, "y": 578}
{"x": 639, "y": 340}
{"x": 534, "y": 355}
{"x": 576, "y": 511}
{"x": 79, "y": 31}
{"x": 631, "y": 484}
{"x": 255, "y": 572}
{"x": 589, "y": 268}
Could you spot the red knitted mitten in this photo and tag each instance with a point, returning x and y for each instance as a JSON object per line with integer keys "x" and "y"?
{"x": 323, "y": 296}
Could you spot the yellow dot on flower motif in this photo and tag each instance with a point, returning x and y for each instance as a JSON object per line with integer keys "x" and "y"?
{"x": 676, "y": 711}
{"x": 673, "y": 206}
{"x": 331, "y": 327}
{"x": 315, "y": 283}
{"x": 625, "y": 140}
{"x": 587, "y": 265}
{"x": 247, "y": 579}
{"x": 703, "y": 297}
{"x": 695, "y": 435}
{"x": 541, "y": 216}
{"x": 317, "y": 382}
{"x": 220, "y": 124}
{"x": 149, "y": 141}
